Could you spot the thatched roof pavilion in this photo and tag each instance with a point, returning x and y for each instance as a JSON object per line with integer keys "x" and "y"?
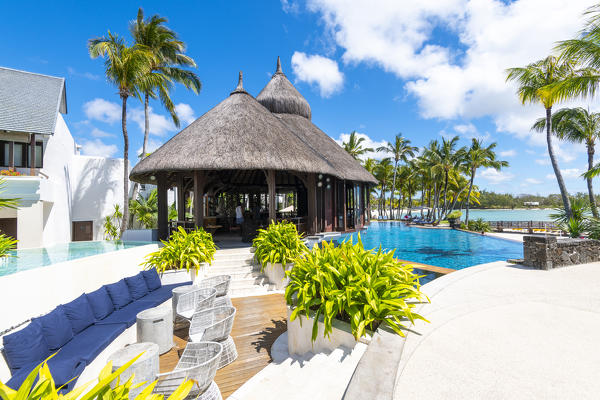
{"x": 262, "y": 145}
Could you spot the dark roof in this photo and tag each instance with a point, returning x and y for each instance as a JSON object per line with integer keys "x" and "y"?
{"x": 30, "y": 102}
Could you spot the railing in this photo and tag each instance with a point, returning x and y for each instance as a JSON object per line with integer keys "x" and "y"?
{"x": 529, "y": 225}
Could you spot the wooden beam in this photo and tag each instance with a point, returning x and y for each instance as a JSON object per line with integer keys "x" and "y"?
{"x": 345, "y": 207}
{"x": 11, "y": 155}
{"x": 32, "y": 155}
{"x": 272, "y": 190}
{"x": 199, "y": 182}
{"x": 163, "y": 207}
{"x": 311, "y": 191}
{"x": 180, "y": 198}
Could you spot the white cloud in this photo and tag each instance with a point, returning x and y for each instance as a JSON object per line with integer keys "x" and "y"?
{"x": 289, "y": 7}
{"x": 98, "y": 148}
{"x": 102, "y": 110}
{"x": 185, "y": 113}
{"x": 495, "y": 177}
{"x": 87, "y": 75}
{"x": 160, "y": 124}
{"x": 448, "y": 80}
{"x": 469, "y": 131}
{"x": 367, "y": 143}
{"x": 533, "y": 181}
{"x": 508, "y": 153}
{"x": 151, "y": 147}
{"x": 98, "y": 133}
{"x": 319, "y": 70}
{"x": 568, "y": 173}
{"x": 542, "y": 161}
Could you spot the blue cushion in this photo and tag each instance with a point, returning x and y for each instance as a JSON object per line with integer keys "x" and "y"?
{"x": 152, "y": 279}
{"x": 137, "y": 286}
{"x": 63, "y": 369}
{"x": 56, "y": 328}
{"x": 119, "y": 293}
{"x": 79, "y": 313}
{"x": 163, "y": 294}
{"x": 127, "y": 315}
{"x": 91, "y": 341}
{"x": 25, "y": 347}
{"x": 100, "y": 303}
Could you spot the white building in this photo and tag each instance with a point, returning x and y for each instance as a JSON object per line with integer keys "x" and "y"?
{"x": 63, "y": 195}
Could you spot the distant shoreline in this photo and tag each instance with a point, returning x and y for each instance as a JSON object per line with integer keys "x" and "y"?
{"x": 507, "y": 209}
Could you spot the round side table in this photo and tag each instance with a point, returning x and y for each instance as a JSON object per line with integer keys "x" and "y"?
{"x": 155, "y": 325}
{"x": 145, "y": 368}
{"x": 177, "y": 292}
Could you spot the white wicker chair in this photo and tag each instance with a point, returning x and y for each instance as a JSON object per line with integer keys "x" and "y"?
{"x": 196, "y": 300}
{"x": 215, "y": 324}
{"x": 223, "y": 301}
{"x": 219, "y": 282}
{"x": 199, "y": 363}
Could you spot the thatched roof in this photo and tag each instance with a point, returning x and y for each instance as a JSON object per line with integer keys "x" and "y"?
{"x": 239, "y": 133}
{"x": 281, "y": 97}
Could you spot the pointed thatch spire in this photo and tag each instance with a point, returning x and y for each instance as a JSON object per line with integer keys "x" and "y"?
{"x": 240, "y": 85}
{"x": 278, "y": 71}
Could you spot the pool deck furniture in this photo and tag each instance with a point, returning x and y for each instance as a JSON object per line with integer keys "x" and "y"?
{"x": 219, "y": 282}
{"x": 259, "y": 321}
{"x": 155, "y": 325}
{"x": 214, "y": 325}
{"x": 144, "y": 369}
{"x": 198, "y": 363}
{"x": 192, "y": 300}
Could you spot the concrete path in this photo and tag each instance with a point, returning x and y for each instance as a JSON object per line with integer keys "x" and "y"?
{"x": 499, "y": 331}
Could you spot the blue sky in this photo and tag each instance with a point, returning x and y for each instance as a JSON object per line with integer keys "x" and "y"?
{"x": 423, "y": 68}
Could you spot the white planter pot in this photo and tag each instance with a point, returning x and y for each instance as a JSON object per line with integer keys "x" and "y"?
{"x": 300, "y": 334}
{"x": 276, "y": 274}
{"x": 178, "y": 276}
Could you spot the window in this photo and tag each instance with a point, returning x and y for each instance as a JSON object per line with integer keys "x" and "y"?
{"x": 21, "y": 154}
{"x": 39, "y": 154}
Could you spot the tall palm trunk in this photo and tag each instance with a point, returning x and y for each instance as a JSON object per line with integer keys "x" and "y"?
{"x": 445, "y": 195}
{"x": 136, "y": 186}
{"x": 561, "y": 183}
{"x": 473, "y": 170}
{"x": 590, "y": 151}
{"x": 393, "y": 188}
{"x": 125, "y": 219}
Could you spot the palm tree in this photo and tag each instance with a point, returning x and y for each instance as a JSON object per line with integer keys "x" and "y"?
{"x": 448, "y": 159}
{"x": 354, "y": 146}
{"x": 577, "y": 125}
{"x": 128, "y": 68}
{"x": 383, "y": 173}
{"x": 400, "y": 150}
{"x": 167, "y": 50}
{"x": 535, "y": 82}
{"x": 480, "y": 156}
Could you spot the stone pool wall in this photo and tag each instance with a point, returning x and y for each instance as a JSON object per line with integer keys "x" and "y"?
{"x": 543, "y": 252}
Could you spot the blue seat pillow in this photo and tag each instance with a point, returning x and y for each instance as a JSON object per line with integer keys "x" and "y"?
{"x": 92, "y": 341}
{"x": 152, "y": 279}
{"x": 119, "y": 294}
{"x": 137, "y": 286}
{"x": 63, "y": 370}
{"x": 100, "y": 302}
{"x": 56, "y": 328}
{"x": 80, "y": 313}
{"x": 25, "y": 347}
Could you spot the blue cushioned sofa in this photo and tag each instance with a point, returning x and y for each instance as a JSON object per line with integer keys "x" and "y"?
{"x": 80, "y": 330}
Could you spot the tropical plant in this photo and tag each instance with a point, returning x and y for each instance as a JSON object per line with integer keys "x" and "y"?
{"x": 594, "y": 228}
{"x": 383, "y": 173}
{"x": 535, "y": 82}
{"x": 575, "y": 223}
{"x": 168, "y": 58}
{"x": 454, "y": 215}
{"x": 7, "y": 243}
{"x": 128, "y": 68}
{"x": 112, "y": 223}
{"x": 479, "y": 225}
{"x": 145, "y": 209}
{"x": 480, "y": 156}
{"x": 280, "y": 243}
{"x": 7, "y": 202}
{"x": 577, "y": 125}
{"x": 108, "y": 386}
{"x": 366, "y": 288}
{"x": 400, "y": 150}
{"x": 183, "y": 250}
{"x": 354, "y": 146}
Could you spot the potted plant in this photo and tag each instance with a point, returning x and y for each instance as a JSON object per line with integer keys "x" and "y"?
{"x": 454, "y": 219}
{"x": 338, "y": 295}
{"x": 276, "y": 248}
{"x": 479, "y": 225}
{"x": 184, "y": 255}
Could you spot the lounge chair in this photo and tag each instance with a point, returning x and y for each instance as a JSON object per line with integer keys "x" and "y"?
{"x": 215, "y": 325}
{"x": 195, "y": 300}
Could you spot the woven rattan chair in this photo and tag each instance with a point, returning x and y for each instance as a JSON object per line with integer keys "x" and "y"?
{"x": 223, "y": 301}
{"x": 199, "y": 363}
{"x": 219, "y": 282}
{"x": 196, "y": 300}
{"x": 215, "y": 325}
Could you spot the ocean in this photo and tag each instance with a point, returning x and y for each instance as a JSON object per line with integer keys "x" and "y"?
{"x": 511, "y": 215}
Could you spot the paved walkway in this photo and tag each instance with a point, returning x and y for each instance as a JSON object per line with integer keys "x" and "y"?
{"x": 506, "y": 332}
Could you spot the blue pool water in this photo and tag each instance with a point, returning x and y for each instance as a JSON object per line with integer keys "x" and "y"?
{"x": 39, "y": 257}
{"x": 439, "y": 247}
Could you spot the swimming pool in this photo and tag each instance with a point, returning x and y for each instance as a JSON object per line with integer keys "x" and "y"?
{"x": 26, "y": 259}
{"x": 439, "y": 247}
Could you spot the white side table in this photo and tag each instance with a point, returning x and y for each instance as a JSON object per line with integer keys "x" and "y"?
{"x": 155, "y": 325}
{"x": 145, "y": 368}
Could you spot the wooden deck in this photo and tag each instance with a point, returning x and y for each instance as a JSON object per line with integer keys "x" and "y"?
{"x": 258, "y": 322}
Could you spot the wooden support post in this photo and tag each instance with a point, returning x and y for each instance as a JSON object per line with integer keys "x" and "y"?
{"x": 11, "y": 155}
{"x": 163, "y": 207}
{"x": 180, "y": 198}
{"x": 311, "y": 191}
{"x": 345, "y": 207}
{"x": 32, "y": 155}
{"x": 199, "y": 182}
{"x": 272, "y": 190}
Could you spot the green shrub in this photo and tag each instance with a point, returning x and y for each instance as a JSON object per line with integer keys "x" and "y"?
{"x": 479, "y": 225}
{"x": 454, "y": 215}
{"x": 463, "y": 226}
{"x": 7, "y": 243}
{"x": 45, "y": 388}
{"x": 183, "y": 251}
{"x": 112, "y": 224}
{"x": 279, "y": 243}
{"x": 363, "y": 287}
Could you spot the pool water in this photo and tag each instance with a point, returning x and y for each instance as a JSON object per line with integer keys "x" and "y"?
{"x": 25, "y": 259}
{"x": 439, "y": 247}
